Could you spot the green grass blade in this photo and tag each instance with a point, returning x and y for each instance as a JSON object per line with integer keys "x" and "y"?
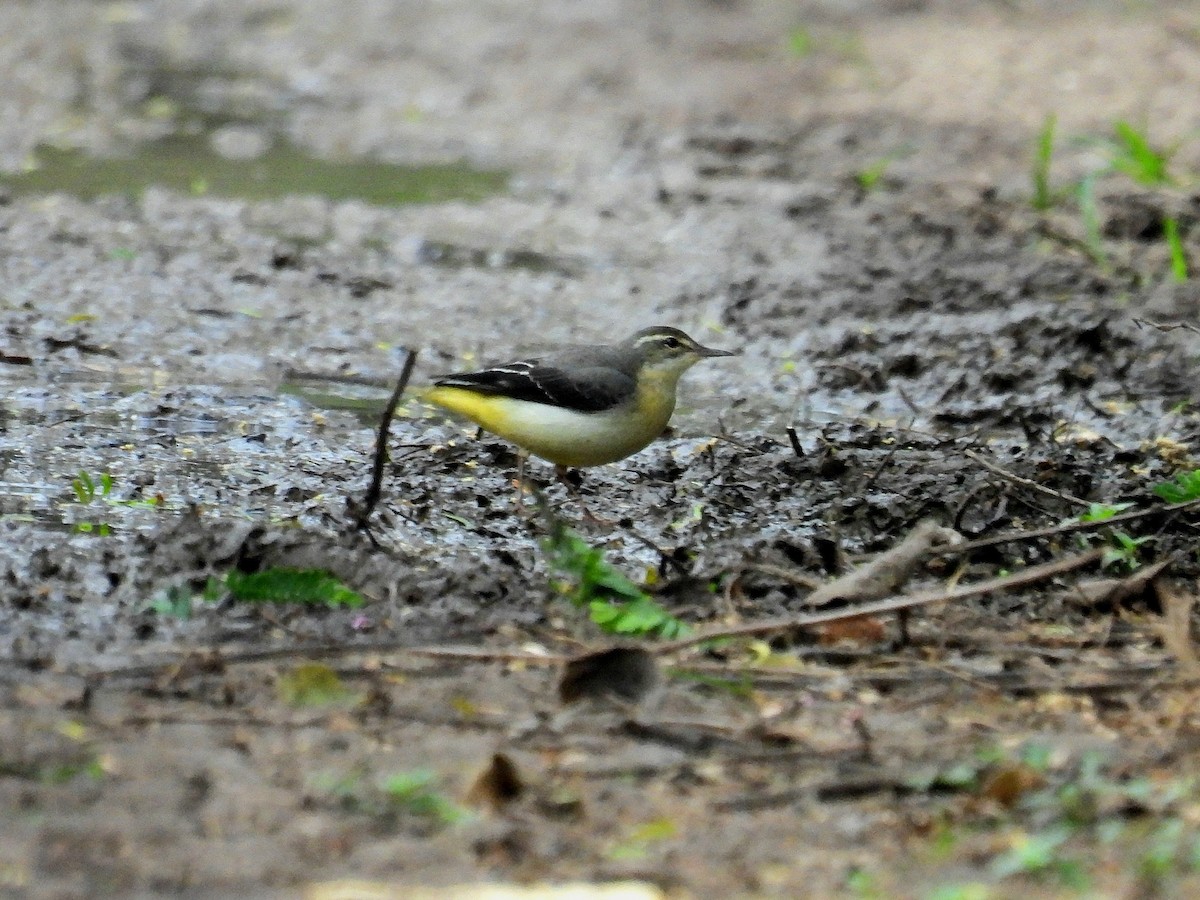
{"x": 800, "y": 42}
{"x": 1090, "y": 211}
{"x": 1137, "y": 159}
{"x": 291, "y": 586}
{"x": 1043, "y": 197}
{"x": 84, "y": 487}
{"x": 1179, "y": 265}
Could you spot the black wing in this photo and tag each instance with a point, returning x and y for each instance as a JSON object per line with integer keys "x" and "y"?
{"x": 587, "y": 389}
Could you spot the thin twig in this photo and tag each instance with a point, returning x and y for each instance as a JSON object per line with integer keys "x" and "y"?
{"x": 1075, "y": 525}
{"x": 1024, "y": 482}
{"x": 887, "y": 460}
{"x": 794, "y": 440}
{"x": 216, "y": 660}
{"x": 665, "y": 559}
{"x": 1167, "y": 326}
{"x": 1032, "y": 575}
{"x": 376, "y": 489}
{"x": 917, "y": 412}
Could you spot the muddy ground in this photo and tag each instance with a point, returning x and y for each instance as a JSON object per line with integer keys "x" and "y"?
{"x": 839, "y": 190}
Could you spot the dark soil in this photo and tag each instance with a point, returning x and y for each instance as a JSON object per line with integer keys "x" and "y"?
{"x": 939, "y": 351}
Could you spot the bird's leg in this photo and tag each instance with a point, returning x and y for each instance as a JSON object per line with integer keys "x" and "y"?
{"x": 519, "y": 500}
{"x": 577, "y": 495}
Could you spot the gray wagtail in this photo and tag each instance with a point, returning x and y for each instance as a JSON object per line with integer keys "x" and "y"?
{"x": 584, "y": 406}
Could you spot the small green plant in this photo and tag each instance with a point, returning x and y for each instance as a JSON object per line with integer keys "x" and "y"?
{"x": 87, "y": 489}
{"x": 614, "y": 602}
{"x": 1125, "y": 552}
{"x": 640, "y": 616}
{"x": 1068, "y": 819}
{"x": 313, "y": 684}
{"x": 871, "y": 177}
{"x": 862, "y": 884}
{"x": 103, "y": 529}
{"x": 276, "y": 585}
{"x": 969, "y": 891}
{"x": 1184, "y": 487}
{"x": 741, "y": 686}
{"x": 638, "y": 843}
{"x": 800, "y": 42}
{"x": 416, "y": 794}
{"x": 1102, "y": 512}
{"x": 175, "y": 602}
{"x": 62, "y": 773}
{"x": 1043, "y": 197}
{"x": 280, "y": 585}
{"x": 346, "y": 789}
{"x": 1125, "y": 549}
{"x": 1179, "y": 263}
{"x": 1133, "y": 155}
{"x": 1164, "y": 853}
{"x": 1042, "y": 854}
{"x": 1130, "y": 153}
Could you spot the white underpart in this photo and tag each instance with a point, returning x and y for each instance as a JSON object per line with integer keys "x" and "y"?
{"x": 573, "y": 438}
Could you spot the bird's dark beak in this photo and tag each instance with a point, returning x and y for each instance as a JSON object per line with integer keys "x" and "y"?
{"x": 712, "y": 351}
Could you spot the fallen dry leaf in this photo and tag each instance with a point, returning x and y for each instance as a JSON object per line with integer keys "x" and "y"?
{"x": 1008, "y": 784}
{"x": 858, "y": 630}
{"x": 622, "y": 673}
{"x": 1176, "y": 625}
{"x": 497, "y": 785}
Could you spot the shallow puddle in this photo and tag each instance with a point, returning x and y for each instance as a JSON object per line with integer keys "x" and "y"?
{"x": 188, "y": 163}
{"x": 365, "y": 402}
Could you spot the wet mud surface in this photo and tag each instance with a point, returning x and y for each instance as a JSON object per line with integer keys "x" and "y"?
{"x": 939, "y": 351}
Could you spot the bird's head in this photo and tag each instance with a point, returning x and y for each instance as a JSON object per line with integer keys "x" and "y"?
{"x": 666, "y": 352}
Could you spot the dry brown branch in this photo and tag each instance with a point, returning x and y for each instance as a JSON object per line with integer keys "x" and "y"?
{"x": 876, "y": 578}
{"x": 1024, "y": 482}
{"x": 794, "y": 441}
{"x": 1167, "y": 326}
{"x": 363, "y": 512}
{"x": 216, "y": 660}
{"x": 1134, "y": 678}
{"x": 1115, "y": 590}
{"x": 1074, "y": 526}
{"x": 1032, "y": 575}
{"x": 889, "y": 570}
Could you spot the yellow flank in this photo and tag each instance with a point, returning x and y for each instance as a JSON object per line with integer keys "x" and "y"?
{"x": 485, "y": 410}
{"x": 568, "y": 437}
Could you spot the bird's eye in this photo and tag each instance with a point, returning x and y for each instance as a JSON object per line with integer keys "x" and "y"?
{"x": 671, "y": 343}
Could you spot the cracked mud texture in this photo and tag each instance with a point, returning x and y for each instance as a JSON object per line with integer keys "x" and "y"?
{"x": 677, "y": 163}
